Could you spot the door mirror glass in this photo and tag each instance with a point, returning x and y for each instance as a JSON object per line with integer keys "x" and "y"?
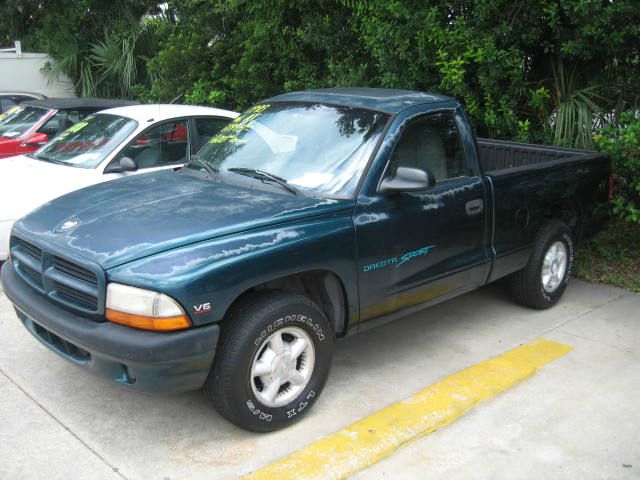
{"x": 407, "y": 179}
{"x": 37, "y": 140}
{"x": 125, "y": 164}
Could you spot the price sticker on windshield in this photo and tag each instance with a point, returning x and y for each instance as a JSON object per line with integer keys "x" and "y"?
{"x": 77, "y": 127}
{"x": 73, "y": 129}
{"x": 9, "y": 112}
{"x": 234, "y": 130}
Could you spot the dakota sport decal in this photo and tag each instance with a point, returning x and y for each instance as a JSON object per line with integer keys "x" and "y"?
{"x": 403, "y": 259}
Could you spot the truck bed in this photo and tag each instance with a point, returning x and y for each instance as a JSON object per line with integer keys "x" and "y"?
{"x": 496, "y": 156}
{"x": 530, "y": 184}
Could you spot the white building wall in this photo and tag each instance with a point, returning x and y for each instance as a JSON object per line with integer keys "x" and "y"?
{"x": 23, "y": 74}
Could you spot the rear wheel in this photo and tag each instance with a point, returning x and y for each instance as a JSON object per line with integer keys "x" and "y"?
{"x": 543, "y": 281}
{"x": 273, "y": 361}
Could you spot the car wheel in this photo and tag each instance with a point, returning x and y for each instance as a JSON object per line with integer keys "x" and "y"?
{"x": 272, "y": 362}
{"x": 543, "y": 281}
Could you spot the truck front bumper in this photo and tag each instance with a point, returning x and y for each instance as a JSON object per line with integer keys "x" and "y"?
{"x": 136, "y": 359}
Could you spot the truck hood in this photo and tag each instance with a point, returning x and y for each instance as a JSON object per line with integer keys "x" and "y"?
{"x": 26, "y": 183}
{"x": 134, "y": 217}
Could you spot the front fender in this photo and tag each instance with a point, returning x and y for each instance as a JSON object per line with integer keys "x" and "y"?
{"x": 207, "y": 277}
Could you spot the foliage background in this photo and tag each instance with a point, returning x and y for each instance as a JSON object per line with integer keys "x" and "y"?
{"x": 551, "y": 71}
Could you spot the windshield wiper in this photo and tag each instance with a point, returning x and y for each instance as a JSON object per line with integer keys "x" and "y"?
{"x": 261, "y": 174}
{"x": 46, "y": 159}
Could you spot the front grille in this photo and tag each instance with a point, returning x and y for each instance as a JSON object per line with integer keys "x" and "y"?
{"x": 76, "y": 284}
{"x": 76, "y": 296}
{"x": 75, "y": 271}
{"x": 28, "y": 258}
{"x": 33, "y": 274}
{"x": 29, "y": 249}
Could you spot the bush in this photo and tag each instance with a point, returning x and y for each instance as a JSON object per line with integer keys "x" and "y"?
{"x": 541, "y": 71}
{"x": 534, "y": 71}
{"x": 622, "y": 142}
{"x": 612, "y": 257}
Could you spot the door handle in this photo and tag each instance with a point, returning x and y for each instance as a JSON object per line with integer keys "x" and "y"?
{"x": 474, "y": 207}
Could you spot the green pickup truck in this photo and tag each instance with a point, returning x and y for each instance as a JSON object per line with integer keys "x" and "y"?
{"x": 312, "y": 216}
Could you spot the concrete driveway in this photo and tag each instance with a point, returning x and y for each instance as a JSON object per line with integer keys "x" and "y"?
{"x": 579, "y": 417}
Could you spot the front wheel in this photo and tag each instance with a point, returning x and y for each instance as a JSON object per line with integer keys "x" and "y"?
{"x": 273, "y": 361}
{"x": 543, "y": 281}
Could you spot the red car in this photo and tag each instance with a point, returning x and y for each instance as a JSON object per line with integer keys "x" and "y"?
{"x": 26, "y": 127}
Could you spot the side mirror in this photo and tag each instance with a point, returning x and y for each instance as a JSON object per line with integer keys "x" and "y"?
{"x": 37, "y": 139}
{"x": 407, "y": 179}
{"x": 125, "y": 164}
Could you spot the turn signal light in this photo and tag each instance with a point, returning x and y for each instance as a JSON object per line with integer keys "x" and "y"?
{"x": 161, "y": 324}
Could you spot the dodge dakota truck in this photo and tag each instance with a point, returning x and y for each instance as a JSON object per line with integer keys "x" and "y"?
{"x": 312, "y": 216}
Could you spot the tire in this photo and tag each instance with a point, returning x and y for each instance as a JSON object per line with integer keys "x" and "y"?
{"x": 249, "y": 342}
{"x": 529, "y": 286}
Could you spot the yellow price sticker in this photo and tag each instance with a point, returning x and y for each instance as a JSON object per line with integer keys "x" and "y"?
{"x": 73, "y": 129}
{"x": 239, "y": 125}
{"x": 9, "y": 112}
{"x": 77, "y": 127}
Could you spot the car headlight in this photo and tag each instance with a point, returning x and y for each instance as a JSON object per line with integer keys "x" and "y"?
{"x": 145, "y": 309}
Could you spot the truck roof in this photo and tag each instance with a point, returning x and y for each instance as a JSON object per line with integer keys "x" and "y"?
{"x": 383, "y": 99}
{"x": 157, "y": 111}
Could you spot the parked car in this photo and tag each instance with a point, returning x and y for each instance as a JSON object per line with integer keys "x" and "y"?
{"x": 312, "y": 216}
{"x": 107, "y": 145}
{"x": 28, "y": 126}
{"x": 8, "y": 100}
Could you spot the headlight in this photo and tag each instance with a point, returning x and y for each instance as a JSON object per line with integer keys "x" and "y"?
{"x": 139, "y": 308}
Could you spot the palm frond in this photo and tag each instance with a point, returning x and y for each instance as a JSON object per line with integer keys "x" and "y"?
{"x": 578, "y": 110}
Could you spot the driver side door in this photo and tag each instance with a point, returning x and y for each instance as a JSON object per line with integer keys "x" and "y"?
{"x": 415, "y": 247}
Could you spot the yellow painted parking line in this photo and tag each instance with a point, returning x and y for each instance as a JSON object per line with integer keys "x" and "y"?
{"x": 369, "y": 440}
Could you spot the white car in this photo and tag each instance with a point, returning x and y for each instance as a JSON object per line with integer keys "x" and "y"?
{"x": 107, "y": 145}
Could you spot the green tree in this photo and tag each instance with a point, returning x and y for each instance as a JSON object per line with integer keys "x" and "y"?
{"x": 102, "y": 46}
{"x": 550, "y": 71}
{"x": 497, "y": 56}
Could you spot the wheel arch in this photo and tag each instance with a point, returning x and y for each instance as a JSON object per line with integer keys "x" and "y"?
{"x": 569, "y": 212}
{"x": 323, "y": 286}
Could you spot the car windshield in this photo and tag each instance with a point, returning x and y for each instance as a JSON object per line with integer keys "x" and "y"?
{"x": 86, "y": 144}
{"x": 318, "y": 147}
{"x": 17, "y": 120}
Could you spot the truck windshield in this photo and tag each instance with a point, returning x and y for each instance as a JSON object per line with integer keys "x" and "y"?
{"x": 86, "y": 144}
{"x": 18, "y": 120}
{"x": 318, "y": 147}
